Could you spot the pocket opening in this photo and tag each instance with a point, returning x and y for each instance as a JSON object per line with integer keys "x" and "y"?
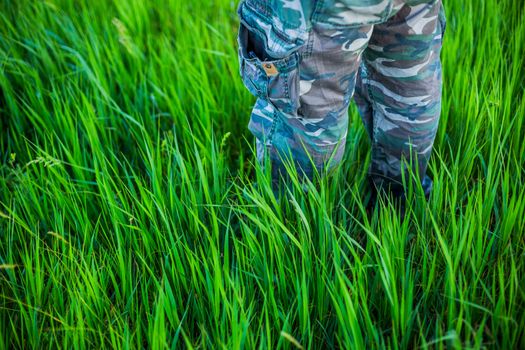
{"x": 276, "y": 43}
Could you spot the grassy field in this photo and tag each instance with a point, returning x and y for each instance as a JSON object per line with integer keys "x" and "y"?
{"x": 128, "y": 217}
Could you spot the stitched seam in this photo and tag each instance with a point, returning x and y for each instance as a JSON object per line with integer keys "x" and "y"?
{"x": 370, "y": 98}
{"x": 390, "y": 5}
{"x": 319, "y": 4}
{"x": 272, "y": 128}
{"x": 286, "y": 88}
{"x": 442, "y": 22}
{"x": 258, "y": 6}
{"x": 309, "y": 47}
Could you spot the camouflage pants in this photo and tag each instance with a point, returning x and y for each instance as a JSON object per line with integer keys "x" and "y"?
{"x": 305, "y": 60}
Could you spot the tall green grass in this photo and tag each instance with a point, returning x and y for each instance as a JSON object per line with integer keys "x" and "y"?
{"x": 129, "y": 218}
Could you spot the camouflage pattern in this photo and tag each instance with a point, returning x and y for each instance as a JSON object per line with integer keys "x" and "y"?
{"x": 305, "y": 60}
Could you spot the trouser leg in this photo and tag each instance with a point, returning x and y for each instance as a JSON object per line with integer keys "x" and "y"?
{"x": 314, "y": 136}
{"x": 399, "y": 93}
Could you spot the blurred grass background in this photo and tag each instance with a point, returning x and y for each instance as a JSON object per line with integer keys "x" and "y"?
{"x": 128, "y": 217}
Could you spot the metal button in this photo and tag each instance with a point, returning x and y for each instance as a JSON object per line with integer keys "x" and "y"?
{"x": 270, "y": 69}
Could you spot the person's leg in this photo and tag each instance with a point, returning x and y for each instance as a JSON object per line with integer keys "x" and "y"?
{"x": 301, "y": 113}
{"x": 327, "y": 72}
{"x": 398, "y": 93}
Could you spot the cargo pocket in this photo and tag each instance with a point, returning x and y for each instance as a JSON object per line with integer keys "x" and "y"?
{"x": 273, "y": 80}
